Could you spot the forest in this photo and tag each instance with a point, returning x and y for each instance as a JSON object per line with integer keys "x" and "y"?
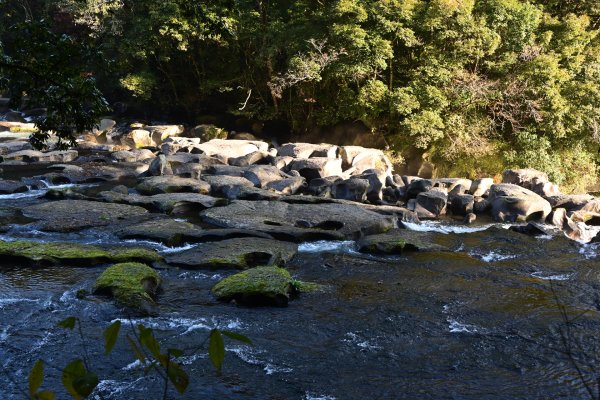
{"x": 476, "y": 86}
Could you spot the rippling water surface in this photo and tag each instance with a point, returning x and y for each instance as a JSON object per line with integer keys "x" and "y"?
{"x": 480, "y": 322}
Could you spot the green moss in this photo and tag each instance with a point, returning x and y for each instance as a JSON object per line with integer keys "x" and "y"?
{"x": 307, "y": 287}
{"x": 385, "y": 247}
{"x": 260, "y": 285}
{"x": 131, "y": 284}
{"x": 69, "y": 253}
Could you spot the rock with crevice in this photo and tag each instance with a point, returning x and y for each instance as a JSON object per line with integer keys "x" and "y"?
{"x": 511, "y": 203}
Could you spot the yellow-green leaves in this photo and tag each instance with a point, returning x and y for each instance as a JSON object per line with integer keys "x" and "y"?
{"x": 78, "y": 381}
{"x": 110, "y": 336}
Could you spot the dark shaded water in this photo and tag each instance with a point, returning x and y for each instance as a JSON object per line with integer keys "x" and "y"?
{"x": 481, "y": 322}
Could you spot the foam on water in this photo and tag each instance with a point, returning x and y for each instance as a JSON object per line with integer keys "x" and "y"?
{"x": 355, "y": 339}
{"x": 438, "y": 226}
{"x": 311, "y": 396}
{"x": 250, "y": 356}
{"x": 590, "y": 250}
{"x": 185, "y": 325}
{"x": 36, "y": 192}
{"x": 112, "y": 389}
{"x": 458, "y": 327}
{"x": 161, "y": 248}
{"x": 559, "y": 277}
{"x": 492, "y": 256}
{"x": 199, "y": 276}
{"x": 4, "y": 302}
{"x": 328, "y": 246}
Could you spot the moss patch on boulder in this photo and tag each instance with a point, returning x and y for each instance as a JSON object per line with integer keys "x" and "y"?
{"x": 261, "y": 286}
{"x": 131, "y": 284}
{"x": 71, "y": 254}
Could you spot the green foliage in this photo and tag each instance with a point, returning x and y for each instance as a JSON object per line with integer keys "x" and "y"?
{"x": 455, "y": 79}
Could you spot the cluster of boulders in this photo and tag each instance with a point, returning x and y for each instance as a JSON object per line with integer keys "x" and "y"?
{"x": 255, "y": 200}
{"x": 170, "y": 159}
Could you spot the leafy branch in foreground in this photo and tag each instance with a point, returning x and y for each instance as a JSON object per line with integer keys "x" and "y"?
{"x": 79, "y": 380}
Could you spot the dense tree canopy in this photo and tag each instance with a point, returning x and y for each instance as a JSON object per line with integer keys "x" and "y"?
{"x": 476, "y": 84}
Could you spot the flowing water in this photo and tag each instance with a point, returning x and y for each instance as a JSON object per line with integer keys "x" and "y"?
{"x": 480, "y": 322}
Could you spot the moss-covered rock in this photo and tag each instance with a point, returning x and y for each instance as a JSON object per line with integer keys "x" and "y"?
{"x": 71, "y": 253}
{"x": 257, "y": 286}
{"x": 131, "y": 284}
{"x": 398, "y": 241}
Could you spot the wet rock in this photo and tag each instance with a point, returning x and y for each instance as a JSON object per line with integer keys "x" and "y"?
{"x": 287, "y": 186}
{"x": 9, "y": 187}
{"x": 512, "y": 203}
{"x": 470, "y": 218}
{"x": 172, "y": 184}
{"x": 167, "y": 231}
{"x": 228, "y": 170}
{"x": 37, "y": 253}
{"x": 257, "y": 286}
{"x": 70, "y": 215}
{"x": 238, "y": 253}
{"x": 131, "y": 284}
{"x": 431, "y": 204}
{"x": 397, "y": 241}
{"x": 318, "y": 167}
{"x": 480, "y": 187}
{"x": 299, "y": 222}
{"x": 322, "y": 187}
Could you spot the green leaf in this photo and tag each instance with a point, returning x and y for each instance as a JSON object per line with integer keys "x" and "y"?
{"x": 36, "y": 376}
{"x": 71, "y": 374}
{"x": 68, "y": 323}
{"x": 45, "y": 395}
{"x": 86, "y": 384}
{"x": 147, "y": 339}
{"x": 216, "y": 348}
{"x": 178, "y": 377}
{"x": 237, "y": 336}
{"x": 110, "y": 336}
{"x": 175, "y": 352}
{"x": 136, "y": 350}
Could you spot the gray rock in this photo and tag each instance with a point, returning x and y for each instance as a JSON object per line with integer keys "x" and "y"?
{"x": 72, "y": 215}
{"x": 132, "y": 155}
{"x": 398, "y": 241}
{"x": 572, "y": 202}
{"x": 417, "y": 186}
{"x": 462, "y": 204}
{"x": 229, "y": 170}
{"x": 376, "y": 178}
{"x": 512, "y": 203}
{"x": 31, "y": 156}
{"x": 261, "y": 175}
{"x": 481, "y": 206}
{"x": 480, "y": 187}
{"x": 307, "y": 150}
{"x": 220, "y": 183}
{"x": 287, "y": 186}
{"x": 431, "y": 204}
{"x": 257, "y": 157}
{"x": 299, "y": 222}
{"x": 241, "y": 253}
{"x": 527, "y": 178}
{"x": 9, "y": 187}
{"x": 354, "y": 189}
{"x": 239, "y": 192}
{"x": 232, "y": 148}
{"x": 171, "y": 184}
{"x": 137, "y": 138}
{"x": 318, "y": 167}
{"x": 159, "y": 167}
{"x": 170, "y": 203}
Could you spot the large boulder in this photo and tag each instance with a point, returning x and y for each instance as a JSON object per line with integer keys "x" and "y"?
{"x": 69, "y": 215}
{"x": 173, "y": 145}
{"x": 132, "y": 155}
{"x": 159, "y": 167}
{"x": 431, "y": 204}
{"x": 219, "y": 184}
{"x": 137, "y": 138}
{"x": 317, "y": 167}
{"x": 261, "y": 175}
{"x": 512, "y": 203}
{"x": 528, "y": 178}
{"x": 462, "y": 204}
{"x": 131, "y": 284}
{"x": 299, "y": 222}
{"x": 207, "y": 132}
{"x": 241, "y": 253}
{"x": 257, "y": 286}
{"x": 14, "y": 146}
{"x": 158, "y": 133}
{"x": 307, "y": 150}
{"x": 376, "y": 179}
{"x": 287, "y": 186}
{"x": 353, "y": 189}
{"x": 231, "y": 148}
{"x": 37, "y": 253}
{"x": 171, "y": 184}
{"x": 480, "y": 187}
{"x": 571, "y": 202}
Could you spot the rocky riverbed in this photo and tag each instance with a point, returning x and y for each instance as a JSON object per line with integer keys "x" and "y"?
{"x": 395, "y": 286}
